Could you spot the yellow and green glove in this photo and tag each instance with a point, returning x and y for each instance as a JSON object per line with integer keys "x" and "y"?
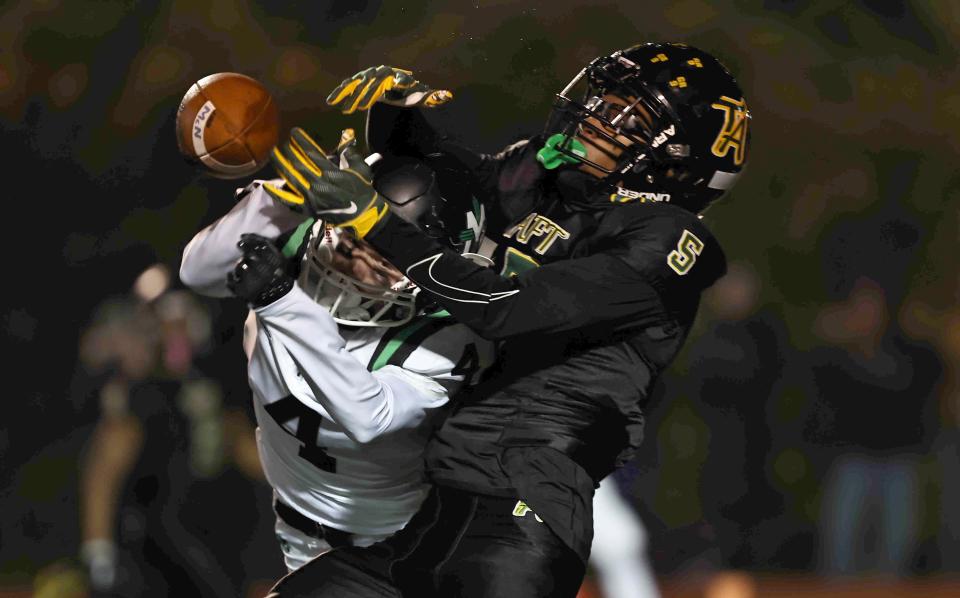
{"x": 386, "y": 84}
{"x": 339, "y": 195}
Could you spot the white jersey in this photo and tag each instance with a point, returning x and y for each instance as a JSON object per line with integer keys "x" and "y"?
{"x": 343, "y": 413}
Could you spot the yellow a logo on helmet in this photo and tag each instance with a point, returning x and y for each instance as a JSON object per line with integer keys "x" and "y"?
{"x": 733, "y": 133}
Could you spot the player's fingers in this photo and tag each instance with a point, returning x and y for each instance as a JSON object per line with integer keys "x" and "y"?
{"x": 365, "y": 101}
{"x": 285, "y": 162}
{"x": 399, "y": 73}
{"x": 360, "y": 95}
{"x": 346, "y": 87}
{"x": 437, "y": 97}
{"x": 353, "y": 159}
{"x": 291, "y": 200}
{"x": 384, "y": 72}
{"x": 403, "y": 79}
{"x": 347, "y": 137}
{"x": 233, "y": 278}
{"x": 305, "y": 145}
{"x": 305, "y": 154}
{"x": 377, "y": 81}
{"x": 409, "y": 96}
{"x": 252, "y": 242}
{"x": 244, "y": 243}
{"x": 303, "y": 163}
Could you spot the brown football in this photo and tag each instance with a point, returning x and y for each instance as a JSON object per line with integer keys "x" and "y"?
{"x": 228, "y": 122}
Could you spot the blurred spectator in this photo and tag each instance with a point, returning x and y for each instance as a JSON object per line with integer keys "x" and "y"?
{"x": 948, "y": 461}
{"x": 942, "y": 328}
{"x": 947, "y": 445}
{"x": 156, "y": 471}
{"x": 734, "y": 367}
{"x": 874, "y": 390}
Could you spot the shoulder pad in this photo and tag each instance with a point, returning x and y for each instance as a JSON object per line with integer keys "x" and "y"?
{"x": 666, "y": 242}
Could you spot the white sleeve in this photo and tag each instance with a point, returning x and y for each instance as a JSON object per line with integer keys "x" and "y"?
{"x": 367, "y": 404}
{"x": 213, "y": 253}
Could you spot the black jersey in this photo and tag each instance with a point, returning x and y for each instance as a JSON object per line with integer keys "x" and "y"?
{"x": 593, "y": 293}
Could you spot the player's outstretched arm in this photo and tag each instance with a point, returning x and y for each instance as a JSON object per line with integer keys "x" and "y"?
{"x": 623, "y": 286}
{"x": 630, "y": 284}
{"x": 213, "y": 252}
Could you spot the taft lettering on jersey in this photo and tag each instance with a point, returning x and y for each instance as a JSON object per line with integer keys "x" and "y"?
{"x": 539, "y": 228}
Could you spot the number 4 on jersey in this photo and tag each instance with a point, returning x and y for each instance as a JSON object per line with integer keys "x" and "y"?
{"x": 685, "y": 255}
{"x": 289, "y": 409}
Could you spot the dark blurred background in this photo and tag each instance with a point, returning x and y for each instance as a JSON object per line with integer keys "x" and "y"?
{"x": 809, "y": 429}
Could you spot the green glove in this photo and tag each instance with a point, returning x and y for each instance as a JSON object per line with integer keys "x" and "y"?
{"x": 344, "y": 197}
{"x": 386, "y": 84}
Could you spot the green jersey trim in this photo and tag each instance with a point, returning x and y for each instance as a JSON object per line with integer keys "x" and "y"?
{"x": 292, "y": 246}
{"x": 397, "y": 344}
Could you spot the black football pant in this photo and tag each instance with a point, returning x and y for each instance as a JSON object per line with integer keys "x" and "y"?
{"x": 457, "y": 545}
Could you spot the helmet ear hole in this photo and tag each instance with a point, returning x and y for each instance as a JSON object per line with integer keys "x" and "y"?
{"x": 677, "y": 150}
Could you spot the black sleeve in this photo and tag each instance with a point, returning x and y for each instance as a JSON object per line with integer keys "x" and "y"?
{"x": 398, "y": 131}
{"x": 392, "y": 130}
{"x": 623, "y": 285}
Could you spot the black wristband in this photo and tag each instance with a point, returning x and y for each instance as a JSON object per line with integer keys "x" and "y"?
{"x": 277, "y": 288}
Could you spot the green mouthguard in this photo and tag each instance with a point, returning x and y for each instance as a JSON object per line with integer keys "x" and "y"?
{"x": 551, "y": 157}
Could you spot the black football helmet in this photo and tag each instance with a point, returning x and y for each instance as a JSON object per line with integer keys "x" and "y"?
{"x": 683, "y": 131}
{"x": 436, "y": 199}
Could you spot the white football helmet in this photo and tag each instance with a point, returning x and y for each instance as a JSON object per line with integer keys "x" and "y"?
{"x": 350, "y": 301}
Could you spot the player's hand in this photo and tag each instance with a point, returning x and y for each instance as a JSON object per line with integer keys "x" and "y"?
{"x": 385, "y": 84}
{"x": 260, "y": 276}
{"x": 340, "y": 195}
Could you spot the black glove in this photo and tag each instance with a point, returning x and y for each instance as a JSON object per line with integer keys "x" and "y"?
{"x": 260, "y": 277}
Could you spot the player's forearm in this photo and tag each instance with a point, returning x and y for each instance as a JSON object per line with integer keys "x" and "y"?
{"x": 560, "y": 297}
{"x": 365, "y": 404}
{"x": 213, "y": 252}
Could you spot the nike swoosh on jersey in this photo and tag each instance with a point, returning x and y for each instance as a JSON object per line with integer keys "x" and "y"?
{"x": 422, "y": 273}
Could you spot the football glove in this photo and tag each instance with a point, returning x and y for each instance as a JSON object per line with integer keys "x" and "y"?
{"x": 260, "y": 277}
{"x": 339, "y": 195}
{"x": 386, "y": 84}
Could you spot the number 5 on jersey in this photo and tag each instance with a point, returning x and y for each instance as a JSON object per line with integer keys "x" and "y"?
{"x": 685, "y": 255}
